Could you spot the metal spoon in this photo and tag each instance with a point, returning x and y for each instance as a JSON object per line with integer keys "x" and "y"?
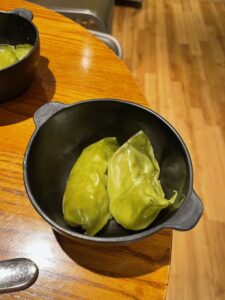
{"x": 17, "y": 274}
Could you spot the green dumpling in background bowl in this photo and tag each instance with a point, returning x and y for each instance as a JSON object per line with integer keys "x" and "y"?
{"x": 22, "y": 50}
{"x": 10, "y": 54}
{"x": 7, "y": 56}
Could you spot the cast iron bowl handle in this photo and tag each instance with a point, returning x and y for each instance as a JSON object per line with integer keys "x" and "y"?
{"x": 46, "y": 111}
{"x": 22, "y": 12}
{"x": 188, "y": 214}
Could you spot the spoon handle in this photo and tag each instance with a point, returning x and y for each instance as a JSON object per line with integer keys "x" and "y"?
{"x": 17, "y": 274}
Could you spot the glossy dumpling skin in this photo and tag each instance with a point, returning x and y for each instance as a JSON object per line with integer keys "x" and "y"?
{"x": 86, "y": 202}
{"x": 7, "y": 56}
{"x": 22, "y": 50}
{"x": 135, "y": 192}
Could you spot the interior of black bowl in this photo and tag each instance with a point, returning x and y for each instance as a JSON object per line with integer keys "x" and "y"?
{"x": 16, "y": 30}
{"x": 61, "y": 139}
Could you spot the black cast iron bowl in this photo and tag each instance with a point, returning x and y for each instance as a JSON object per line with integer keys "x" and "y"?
{"x": 16, "y": 28}
{"x": 62, "y": 131}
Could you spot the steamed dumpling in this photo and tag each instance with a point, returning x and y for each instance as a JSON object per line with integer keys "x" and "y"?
{"x": 22, "y": 50}
{"x": 7, "y": 56}
{"x": 86, "y": 202}
{"x": 135, "y": 192}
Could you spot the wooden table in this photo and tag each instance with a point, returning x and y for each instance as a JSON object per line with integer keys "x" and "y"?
{"x": 73, "y": 66}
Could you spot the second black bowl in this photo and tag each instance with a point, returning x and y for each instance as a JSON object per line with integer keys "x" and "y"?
{"x": 16, "y": 28}
{"x": 63, "y": 131}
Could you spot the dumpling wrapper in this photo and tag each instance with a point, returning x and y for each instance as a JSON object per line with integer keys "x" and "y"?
{"x": 86, "y": 202}
{"x": 22, "y": 50}
{"x": 7, "y": 56}
{"x": 135, "y": 192}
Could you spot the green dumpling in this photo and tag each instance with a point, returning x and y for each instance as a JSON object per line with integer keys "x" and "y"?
{"x": 86, "y": 201}
{"x": 7, "y": 56}
{"x": 22, "y": 50}
{"x": 135, "y": 192}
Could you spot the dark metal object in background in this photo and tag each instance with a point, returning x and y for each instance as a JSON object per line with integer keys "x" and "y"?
{"x": 92, "y": 14}
{"x": 17, "y": 274}
{"x": 17, "y": 28}
{"x": 63, "y": 131}
{"x": 134, "y": 3}
{"x": 110, "y": 41}
{"x": 95, "y": 15}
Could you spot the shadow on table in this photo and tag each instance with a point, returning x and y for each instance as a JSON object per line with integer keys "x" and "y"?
{"x": 142, "y": 257}
{"x": 24, "y": 106}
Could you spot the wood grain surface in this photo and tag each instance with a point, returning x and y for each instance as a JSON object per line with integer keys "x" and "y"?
{"x": 73, "y": 66}
{"x": 176, "y": 50}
